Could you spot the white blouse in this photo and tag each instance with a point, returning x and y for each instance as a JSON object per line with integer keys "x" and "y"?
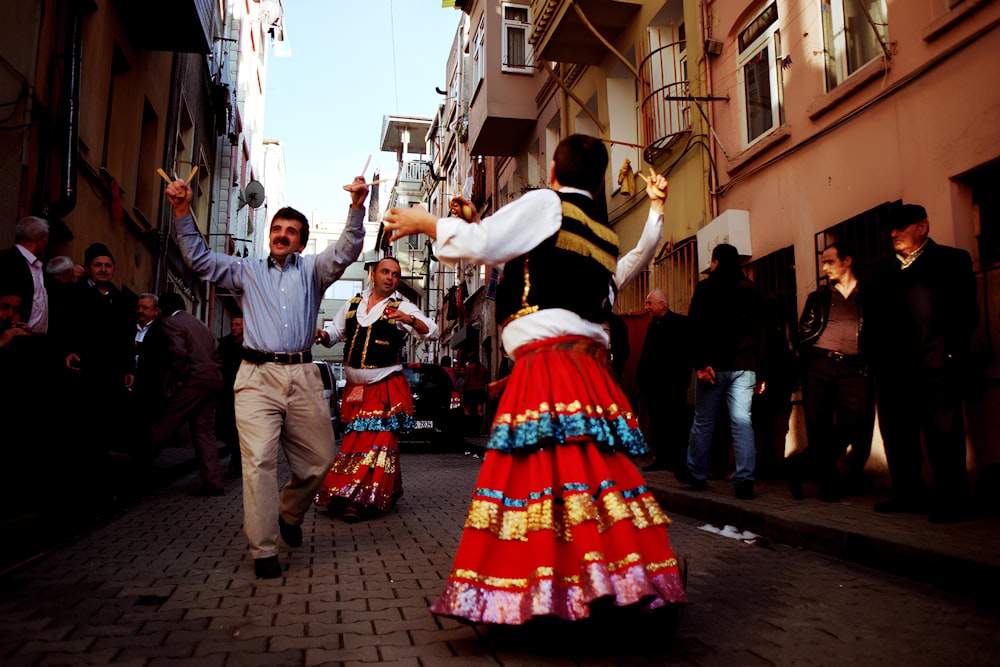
{"x": 515, "y": 229}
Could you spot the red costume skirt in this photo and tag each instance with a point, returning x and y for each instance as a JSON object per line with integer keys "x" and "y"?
{"x": 366, "y": 470}
{"x": 560, "y": 516}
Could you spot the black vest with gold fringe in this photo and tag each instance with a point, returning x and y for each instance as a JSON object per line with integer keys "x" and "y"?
{"x": 374, "y": 346}
{"x": 571, "y": 269}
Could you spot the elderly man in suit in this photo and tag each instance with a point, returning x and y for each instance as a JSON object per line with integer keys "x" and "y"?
{"x": 664, "y": 375}
{"x": 926, "y": 312}
{"x": 22, "y": 266}
{"x": 191, "y": 388}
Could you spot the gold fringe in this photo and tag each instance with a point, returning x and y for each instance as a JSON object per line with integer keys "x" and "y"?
{"x": 578, "y": 508}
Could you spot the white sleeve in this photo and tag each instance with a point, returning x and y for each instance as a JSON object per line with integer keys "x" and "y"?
{"x": 510, "y": 232}
{"x": 639, "y": 257}
{"x": 409, "y": 308}
{"x": 338, "y": 325}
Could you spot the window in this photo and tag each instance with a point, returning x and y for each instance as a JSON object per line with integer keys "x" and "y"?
{"x": 866, "y": 234}
{"x": 516, "y": 28}
{"x": 759, "y": 74}
{"x": 148, "y": 186}
{"x": 478, "y": 54}
{"x": 854, "y": 32}
{"x": 343, "y": 290}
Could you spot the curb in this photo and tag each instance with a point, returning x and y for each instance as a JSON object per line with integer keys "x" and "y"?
{"x": 974, "y": 575}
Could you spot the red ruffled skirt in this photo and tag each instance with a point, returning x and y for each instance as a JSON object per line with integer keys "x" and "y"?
{"x": 560, "y": 516}
{"x": 366, "y": 470}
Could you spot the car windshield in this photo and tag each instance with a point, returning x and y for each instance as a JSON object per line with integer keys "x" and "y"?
{"x": 427, "y": 379}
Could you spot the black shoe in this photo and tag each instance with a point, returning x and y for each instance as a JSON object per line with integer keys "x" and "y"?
{"x": 292, "y": 535}
{"x": 795, "y": 488}
{"x": 267, "y": 568}
{"x": 698, "y": 484}
{"x": 744, "y": 490}
{"x": 684, "y": 476}
{"x": 207, "y": 490}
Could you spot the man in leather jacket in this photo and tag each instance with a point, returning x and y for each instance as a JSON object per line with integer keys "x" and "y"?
{"x": 837, "y": 391}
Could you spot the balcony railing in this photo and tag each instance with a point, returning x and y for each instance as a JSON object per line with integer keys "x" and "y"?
{"x": 411, "y": 175}
{"x": 666, "y": 111}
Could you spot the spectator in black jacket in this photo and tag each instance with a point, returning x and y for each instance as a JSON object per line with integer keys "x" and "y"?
{"x": 727, "y": 327}
{"x": 99, "y": 361}
{"x": 837, "y": 391}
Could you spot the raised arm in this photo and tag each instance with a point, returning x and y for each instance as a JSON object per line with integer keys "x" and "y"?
{"x": 512, "y": 231}
{"x": 215, "y": 267}
{"x": 638, "y": 258}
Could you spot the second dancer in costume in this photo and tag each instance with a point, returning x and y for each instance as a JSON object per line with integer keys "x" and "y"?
{"x": 365, "y": 479}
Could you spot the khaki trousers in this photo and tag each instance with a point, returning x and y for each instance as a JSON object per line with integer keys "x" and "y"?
{"x": 280, "y": 404}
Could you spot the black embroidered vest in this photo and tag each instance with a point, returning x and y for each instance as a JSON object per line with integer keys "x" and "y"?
{"x": 374, "y": 346}
{"x": 571, "y": 269}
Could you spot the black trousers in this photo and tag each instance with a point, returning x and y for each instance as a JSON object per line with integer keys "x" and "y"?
{"x": 839, "y": 401}
{"x": 669, "y": 417}
{"x": 911, "y": 404}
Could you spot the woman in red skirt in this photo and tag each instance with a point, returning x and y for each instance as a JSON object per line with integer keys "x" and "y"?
{"x": 560, "y": 517}
{"x": 365, "y": 479}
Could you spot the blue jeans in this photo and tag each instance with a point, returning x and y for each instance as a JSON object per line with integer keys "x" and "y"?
{"x": 737, "y": 388}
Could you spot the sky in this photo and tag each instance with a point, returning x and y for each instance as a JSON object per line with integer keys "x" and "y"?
{"x": 352, "y": 63}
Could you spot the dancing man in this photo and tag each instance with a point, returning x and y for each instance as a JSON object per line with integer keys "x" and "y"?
{"x": 365, "y": 479}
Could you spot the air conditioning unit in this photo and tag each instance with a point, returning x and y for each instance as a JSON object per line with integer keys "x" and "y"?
{"x": 713, "y": 47}
{"x": 732, "y": 227}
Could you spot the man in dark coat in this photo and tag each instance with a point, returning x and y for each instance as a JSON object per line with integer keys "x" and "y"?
{"x": 194, "y": 382}
{"x": 664, "y": 375}
{"x": 927, "y": 310}
{"x": 99, "y": 357}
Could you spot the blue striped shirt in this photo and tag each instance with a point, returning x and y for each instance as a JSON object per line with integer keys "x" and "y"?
{"x": 280, "y": 304}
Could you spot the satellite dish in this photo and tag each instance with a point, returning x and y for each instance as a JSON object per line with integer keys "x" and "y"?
{"x": 254, "y": 194}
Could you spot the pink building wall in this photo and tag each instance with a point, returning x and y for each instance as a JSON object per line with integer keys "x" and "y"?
{"x": 909, "y": 132}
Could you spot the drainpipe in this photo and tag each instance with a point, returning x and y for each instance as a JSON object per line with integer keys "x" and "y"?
{"x": 67, "y": 198}
{"x": 713, "y": 197}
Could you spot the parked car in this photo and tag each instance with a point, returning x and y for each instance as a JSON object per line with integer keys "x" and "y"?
{"x": 331, "y": 394}
{"x": 437, "y": 407}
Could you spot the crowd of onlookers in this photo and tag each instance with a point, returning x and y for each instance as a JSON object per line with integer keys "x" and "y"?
{"x": 898, "y": 339}
{"x": 98, "y": 381}
{"x": 89, "y": 388}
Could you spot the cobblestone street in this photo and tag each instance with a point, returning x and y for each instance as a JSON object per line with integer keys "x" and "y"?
{"x": 170, "y": 582}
